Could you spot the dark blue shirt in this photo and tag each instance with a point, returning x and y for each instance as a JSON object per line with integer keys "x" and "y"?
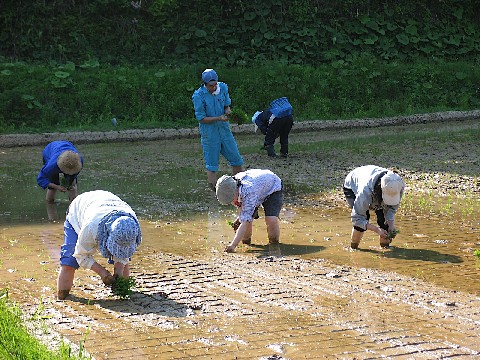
{"x": 262, "y": 120}
{"x": 50, "y": 154}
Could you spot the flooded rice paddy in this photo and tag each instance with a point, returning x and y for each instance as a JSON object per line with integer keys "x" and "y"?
{"x": 308, "y": 297}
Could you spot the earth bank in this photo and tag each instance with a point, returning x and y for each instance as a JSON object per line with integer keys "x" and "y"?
{"x": 14, "y": 140}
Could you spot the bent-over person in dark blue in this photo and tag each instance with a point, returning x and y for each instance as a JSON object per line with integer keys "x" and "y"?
{"x": 60, "y": 157}
{"x": 273, "y": 123}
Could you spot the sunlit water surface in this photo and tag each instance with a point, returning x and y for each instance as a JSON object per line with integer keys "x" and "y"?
{"x": 181, "y": 216}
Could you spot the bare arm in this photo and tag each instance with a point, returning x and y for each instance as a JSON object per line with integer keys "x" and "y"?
{"x": 381, "y": 232}
{"x": 239, "y": 236}
{"x": 57, "y": 187}
{"x": 106, "y": 276}
{"x": 212, "y": 119}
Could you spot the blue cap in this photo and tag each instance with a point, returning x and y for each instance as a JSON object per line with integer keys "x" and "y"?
{"x": 209, "y": 75}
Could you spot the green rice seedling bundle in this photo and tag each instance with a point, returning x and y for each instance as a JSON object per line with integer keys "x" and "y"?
{"x": 122, "y": 286}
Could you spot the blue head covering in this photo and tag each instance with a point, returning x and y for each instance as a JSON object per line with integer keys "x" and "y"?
{"x": 209, "y": 75}
{"x": 118, "y": 235}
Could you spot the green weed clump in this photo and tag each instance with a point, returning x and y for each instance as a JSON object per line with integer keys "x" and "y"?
{"x": 60, "y": 97}
{"x": 66, "y": 183}
{"x": 17, "y": 343}
{"x": 122, "y": 286}
{"x": 477, "y": 253}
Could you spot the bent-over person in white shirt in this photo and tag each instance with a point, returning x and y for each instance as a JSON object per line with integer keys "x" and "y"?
{"x": 97, "y": 221}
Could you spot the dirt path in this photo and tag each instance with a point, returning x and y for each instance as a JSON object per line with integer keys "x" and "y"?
{"x": 14, "y": 140}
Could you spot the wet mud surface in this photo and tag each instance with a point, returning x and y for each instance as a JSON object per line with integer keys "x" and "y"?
{"x": 308, "y": 297}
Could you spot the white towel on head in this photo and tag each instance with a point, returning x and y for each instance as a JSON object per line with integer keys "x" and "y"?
{"x": 254, "y": 117}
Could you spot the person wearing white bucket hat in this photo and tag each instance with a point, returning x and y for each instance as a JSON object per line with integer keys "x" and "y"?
{"x": 375, "y": 188}
{"x": 60, "y": 157}
{"x": 248, "y": 190}
{"x": 211, "y": 103}
{"x": 97, "y": 220}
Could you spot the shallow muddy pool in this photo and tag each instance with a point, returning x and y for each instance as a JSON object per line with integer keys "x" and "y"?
{"x": 164, "y": 183}
{"x": 433, "y": 251}
{"x": 307, "y": 297}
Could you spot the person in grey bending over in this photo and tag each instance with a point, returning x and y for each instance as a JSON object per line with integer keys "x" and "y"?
{"x": 375, "y": 188}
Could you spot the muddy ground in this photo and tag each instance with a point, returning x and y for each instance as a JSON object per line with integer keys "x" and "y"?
{"x": 266, "y": 304}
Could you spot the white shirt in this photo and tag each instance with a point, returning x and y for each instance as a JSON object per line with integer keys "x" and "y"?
{"x": 84, "y": 214}
{"x": 256, "y": 185}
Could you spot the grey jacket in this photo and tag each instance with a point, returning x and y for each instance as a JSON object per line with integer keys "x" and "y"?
{"x": 362, "y": 181}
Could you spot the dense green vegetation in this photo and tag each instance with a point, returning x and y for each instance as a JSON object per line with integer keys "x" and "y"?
{"x": 238, "y": 32}
{"x": 17, "y": 343}
{"x": 87, "y": 97}
{"x": 77, "y": 65}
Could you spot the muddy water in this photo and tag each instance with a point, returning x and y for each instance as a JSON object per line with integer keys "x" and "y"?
{"x": 193, "y": 301}
{"x": 309, "y": 297}
{"x": 431, "y": 251}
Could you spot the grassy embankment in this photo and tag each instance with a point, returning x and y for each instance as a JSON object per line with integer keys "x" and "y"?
{"x": 17, "y": 342}
{"x": 86, "y": 97}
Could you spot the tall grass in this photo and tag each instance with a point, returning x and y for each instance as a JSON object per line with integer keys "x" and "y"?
{"x": 17, "y": 343}
{"x": 54, "y": 97}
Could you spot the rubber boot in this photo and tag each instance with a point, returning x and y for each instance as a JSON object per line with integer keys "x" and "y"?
{"x": 273, "y": 241}
{"x": 62, "y": 294}
{"x": 247, "y": 241}
{"x": 270, "y": 151}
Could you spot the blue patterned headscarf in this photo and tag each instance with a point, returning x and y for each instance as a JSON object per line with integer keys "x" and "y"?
{"x": 118, "y": 235}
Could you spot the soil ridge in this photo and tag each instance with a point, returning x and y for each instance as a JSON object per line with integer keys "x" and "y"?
{"x": 83, "y": 137}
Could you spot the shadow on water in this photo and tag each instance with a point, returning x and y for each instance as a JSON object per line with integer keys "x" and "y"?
{"x": 283, "y": 249}
{"x": 416, "y": 254}
{"x": 139, "y": 303}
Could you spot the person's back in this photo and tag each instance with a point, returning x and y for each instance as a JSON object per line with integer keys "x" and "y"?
{"x": 276, "y": 121}
{"x": 91, "y": 206}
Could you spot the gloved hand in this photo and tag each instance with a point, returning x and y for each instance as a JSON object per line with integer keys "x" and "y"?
{"x": 229, "y": 249}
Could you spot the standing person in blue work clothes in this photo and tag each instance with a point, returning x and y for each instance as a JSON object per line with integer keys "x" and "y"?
{"x": 60, "y": 157}
{"x": 211, "y": 103}
{"x": 375, "y": 188}
{"x": 276, "y": 121}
